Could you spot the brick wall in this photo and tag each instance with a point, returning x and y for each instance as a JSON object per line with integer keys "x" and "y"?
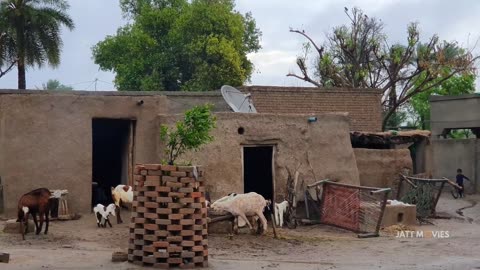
{"x": 363, "y": 105}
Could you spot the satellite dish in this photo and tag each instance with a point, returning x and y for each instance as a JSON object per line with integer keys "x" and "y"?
{"x": 238, "y": 101}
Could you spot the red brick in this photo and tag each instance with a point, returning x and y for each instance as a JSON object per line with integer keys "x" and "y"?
{"x": 171, "y": 249}
{"x": 174, "y": 184}
{"x": 195, "y": 194}
{"x": 174, "y": 260}
{"x": 161, "y": 233}
{"x": 161, "y": 265}
{"x": 195, "y": 205}
{"x": 187, "y": 233}
{"x": 161, "y": 254}
{"x": 175, "y": 205}
{"x": 163, "y": 199}
{"x": 150, "y": 249}
{"x": 151, "y": 205}
{"x": 198, "y": 227}
{"x": 186, "y": 200}
{"x": 187, "y": 254}
{"x": 174, "y": 239}
{"x": 168, "y": 168}
{"x": 161, "y": 244}
{"x": 185, "y": 190}
{"x": 187, "y": 222}
{"x": 163, "y": 221}
{"x": 138, "y": 178}
{"x": 149, "y": 259}
{"x": 154, "y": 172}
{"x": 185, "y": 168}
{"x": 187, "y": 180}
{"x": 151, "y": 194}
{"x": 152, "y": 166}
{"x": 150, "y": 227}
{"x": 138, "y": 168}
{"x": 139, "y": 231}
{"x": 141, "y": 209}
{"x": 178, "y": 174}
{"x": 153, "y": 178}
{"x": 166, "y": 178}
{"x": 188, "y": 243}
{"x": 175, "y": 216}
{"x": 164, "y": 211}
{"x": 163, "y": 189}
{"x": 151, "y": 215}
{"x": 197, "y": 238}
{"x": 143, "y": 172}
{"x": 174, "y": 227}
{"x": 186, "y": 211}
{"x": 176, "y": 195}
{"x": 150, "y": 237}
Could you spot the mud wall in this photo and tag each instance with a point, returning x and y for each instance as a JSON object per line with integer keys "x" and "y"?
{"x": 46, "y": 139}
{"x": 325, "y": 144}
{"x": 380, "y": 168}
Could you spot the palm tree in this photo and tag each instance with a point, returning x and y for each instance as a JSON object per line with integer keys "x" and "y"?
{"x": 34, "y": 26}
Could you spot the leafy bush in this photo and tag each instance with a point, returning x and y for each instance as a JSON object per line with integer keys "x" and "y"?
{"x": 189, "y": 134}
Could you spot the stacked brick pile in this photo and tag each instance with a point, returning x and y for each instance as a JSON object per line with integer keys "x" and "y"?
{"x": 169, "y": 218}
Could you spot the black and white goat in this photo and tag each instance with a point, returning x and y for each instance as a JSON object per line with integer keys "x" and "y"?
{"x": 102, "y": 213}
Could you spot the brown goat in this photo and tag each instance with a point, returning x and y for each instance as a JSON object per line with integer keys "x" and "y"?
{"x": 33, "y": 202}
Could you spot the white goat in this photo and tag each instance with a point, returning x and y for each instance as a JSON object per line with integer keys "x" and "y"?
{"x": 241, "y": 205}
{"x": 280, "y": 210}
{"x": 122, "y": 195}
{"x": 102, "y": 213}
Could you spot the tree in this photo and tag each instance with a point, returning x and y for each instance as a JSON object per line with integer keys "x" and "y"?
{"x": 456, "y": 85}
{"x": 7, "y": 60}
{"x": 33, "y": 28}
{"x": 189, "y": 134}
{"x": 180, "y": 45}
{"x": 359, "y": 56}
{"x": 55, "y": 85}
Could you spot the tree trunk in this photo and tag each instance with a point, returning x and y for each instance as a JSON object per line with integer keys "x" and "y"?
{"x": 21, "y": 74}
{"x": 20, "y": 32}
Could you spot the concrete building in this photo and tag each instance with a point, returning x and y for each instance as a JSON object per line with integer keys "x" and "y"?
{"x": 449, "y": 113}
{"x": 67, "y": 140}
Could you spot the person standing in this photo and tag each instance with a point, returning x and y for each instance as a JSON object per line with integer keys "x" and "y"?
{"x": 460, "y": 177}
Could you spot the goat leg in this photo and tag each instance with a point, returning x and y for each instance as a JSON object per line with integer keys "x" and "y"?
{"x": 41, "y": 222}
{"x": 108, "y": 221}
{"x": 242, "y": 215}
{"x": 264, "y": 221}
{"x": 22, "y": 229}
{"x": 34, "y": 216}
{"x": 119, "y": 218}
{"x": 47, "y": 220}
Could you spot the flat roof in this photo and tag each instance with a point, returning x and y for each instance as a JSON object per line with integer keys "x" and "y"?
{"x": 442, "y": 98}
{"x": 107, "y": 93}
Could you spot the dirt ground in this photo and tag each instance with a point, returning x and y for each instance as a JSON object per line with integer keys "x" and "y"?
{"x": 80, "y": 244}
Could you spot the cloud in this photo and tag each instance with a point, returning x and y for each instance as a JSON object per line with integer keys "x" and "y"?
{"x": 451, "y": 20}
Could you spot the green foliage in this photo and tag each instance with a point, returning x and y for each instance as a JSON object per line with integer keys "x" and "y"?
{"x": 358, "y": 55}
{"x": 55, "y": 85}
{"x": 32, "y": 31}
{"x": 175, "y": 45}
{"x": 189, "y": 134}
{"x": 456, "y": 85}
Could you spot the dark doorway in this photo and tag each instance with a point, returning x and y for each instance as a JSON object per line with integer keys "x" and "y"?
{"x": 112, "y": 154}
{"x": 258, "y": 170}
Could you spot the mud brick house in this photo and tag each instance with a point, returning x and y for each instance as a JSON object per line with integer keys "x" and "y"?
{"x": 69, "y": 139}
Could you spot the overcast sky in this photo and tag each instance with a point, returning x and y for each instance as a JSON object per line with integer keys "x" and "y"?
{"x": 95, "y": 19}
